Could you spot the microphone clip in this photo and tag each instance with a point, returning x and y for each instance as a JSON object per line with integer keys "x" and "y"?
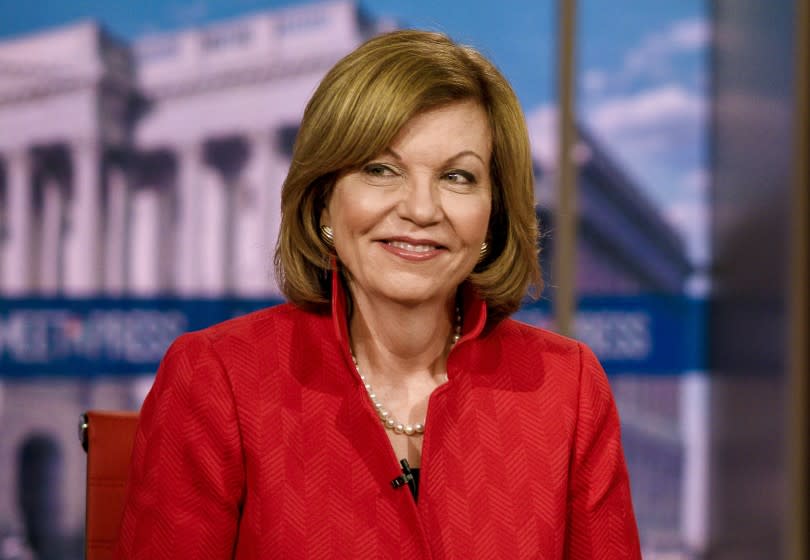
{"x": 405, "y": 478}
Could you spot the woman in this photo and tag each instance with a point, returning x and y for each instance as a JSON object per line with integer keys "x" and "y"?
{"x": 408, "y": 236}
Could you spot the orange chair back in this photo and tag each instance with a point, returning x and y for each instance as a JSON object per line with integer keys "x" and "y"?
{"x": 107, "y": 437}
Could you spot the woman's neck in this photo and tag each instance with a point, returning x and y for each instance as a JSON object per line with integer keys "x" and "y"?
{"x": 402, "y": 340}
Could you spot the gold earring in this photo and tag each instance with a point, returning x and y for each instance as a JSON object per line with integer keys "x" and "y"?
{"x": 482, "y": 253}
{"x": 328, "y": 236}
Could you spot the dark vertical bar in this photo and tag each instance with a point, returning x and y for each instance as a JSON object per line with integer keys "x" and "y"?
{"x": 564, "y": 264}
{"x": 799, "y": 429}
{"x": 752, "y": 158}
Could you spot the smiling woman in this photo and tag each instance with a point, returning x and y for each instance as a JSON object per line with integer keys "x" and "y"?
{"x": 408, "y": 236}
{"x": 362, "y": 104}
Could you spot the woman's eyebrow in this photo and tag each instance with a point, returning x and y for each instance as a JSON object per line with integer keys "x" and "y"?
{"x": 462, "y": 153}
{"x": 465, "y": 153}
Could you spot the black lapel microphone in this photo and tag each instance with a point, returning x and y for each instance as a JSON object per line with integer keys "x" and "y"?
{"x": 405, "y": 478}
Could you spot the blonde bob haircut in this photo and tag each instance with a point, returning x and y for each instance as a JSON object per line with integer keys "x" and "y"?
{"x": 356, "y": 112}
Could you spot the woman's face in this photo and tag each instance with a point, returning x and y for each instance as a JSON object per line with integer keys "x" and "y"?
{"x": 409, "y": 224}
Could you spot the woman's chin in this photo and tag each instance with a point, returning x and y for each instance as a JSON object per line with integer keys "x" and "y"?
{"x": 412, "y": 294}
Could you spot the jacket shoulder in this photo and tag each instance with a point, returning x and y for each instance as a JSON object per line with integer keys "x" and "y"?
{"x": 252, "y": 340}
{"x": 567, "y": 360}
{"x": 530, "y": 336}
{"x": 251, "y": 324}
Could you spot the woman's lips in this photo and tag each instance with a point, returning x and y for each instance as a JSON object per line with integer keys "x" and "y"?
{"x": 412, "y": 250}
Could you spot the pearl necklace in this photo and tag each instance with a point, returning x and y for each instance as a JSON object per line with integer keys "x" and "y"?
{"x": 384, "y": 414}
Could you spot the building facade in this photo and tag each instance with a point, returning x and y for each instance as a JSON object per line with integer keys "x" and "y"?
{"x": 155, "y": 168}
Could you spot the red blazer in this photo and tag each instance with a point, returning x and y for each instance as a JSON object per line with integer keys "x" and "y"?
{"x": 257, "y": 440}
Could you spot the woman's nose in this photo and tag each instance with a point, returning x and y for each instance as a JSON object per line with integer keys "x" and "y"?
{"x": 421, "y": 201}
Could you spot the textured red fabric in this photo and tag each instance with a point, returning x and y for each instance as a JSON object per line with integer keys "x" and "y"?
{"x": 258, "y": 441}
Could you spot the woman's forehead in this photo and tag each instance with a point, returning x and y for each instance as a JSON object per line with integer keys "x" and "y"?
{"x": 457, "y": 128}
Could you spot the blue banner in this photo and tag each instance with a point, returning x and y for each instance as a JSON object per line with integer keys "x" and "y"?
{"x": 650, "y": 334}
{"x": 645, "y": 334}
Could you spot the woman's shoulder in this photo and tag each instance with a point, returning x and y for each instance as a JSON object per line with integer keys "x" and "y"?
{"x": 512, "y": 331}
{"x": 567, "y": 357}
{"x": 261, "y": 324}
{"x": 241, "y": 350}
{"x": 263, "y": 328}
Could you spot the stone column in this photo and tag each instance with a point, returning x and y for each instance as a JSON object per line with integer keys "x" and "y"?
{"x": 145, "y": 242}
{"x": 254, "y": 235}
{"x": 17, "y": 265}
{"x": 187, "y": 241}
{"x": 83, "y": 243}
{"x": 214, "y": 237}
{"x": 50, "y": 236}
{"x": 279, "y": 165}
{"x": 115, "y": 238}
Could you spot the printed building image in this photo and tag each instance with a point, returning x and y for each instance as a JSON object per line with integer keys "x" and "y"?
{"x": 135, "y": 169}
{"x": 154, "y": 169}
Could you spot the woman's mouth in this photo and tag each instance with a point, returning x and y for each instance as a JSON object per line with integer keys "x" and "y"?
{"x": 413, "y": 249}
{"x": 416, "y": 248}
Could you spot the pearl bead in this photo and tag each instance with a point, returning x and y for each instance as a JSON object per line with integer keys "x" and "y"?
{"x": 419, "y": 428}
{"x": 399, "y": 428}
{"x": 409, "y": 430}
{"x": 390, "y": 423}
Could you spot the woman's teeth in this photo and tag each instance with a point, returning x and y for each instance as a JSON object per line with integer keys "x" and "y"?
{"x": 412, "y": 248}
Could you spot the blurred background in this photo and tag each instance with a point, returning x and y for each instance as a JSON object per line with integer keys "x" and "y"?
{"x": 142, "y": 149}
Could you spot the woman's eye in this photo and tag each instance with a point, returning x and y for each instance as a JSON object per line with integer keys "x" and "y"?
{"x": 459, "y": 177}
{"x": 378, "y": 170}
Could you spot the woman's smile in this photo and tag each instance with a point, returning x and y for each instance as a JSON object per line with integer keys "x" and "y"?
{"x": 413, "y": 250}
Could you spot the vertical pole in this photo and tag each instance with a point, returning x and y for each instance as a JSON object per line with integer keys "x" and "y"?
{"x": 799, "y": 428}
{"x": 564, "y": 263}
